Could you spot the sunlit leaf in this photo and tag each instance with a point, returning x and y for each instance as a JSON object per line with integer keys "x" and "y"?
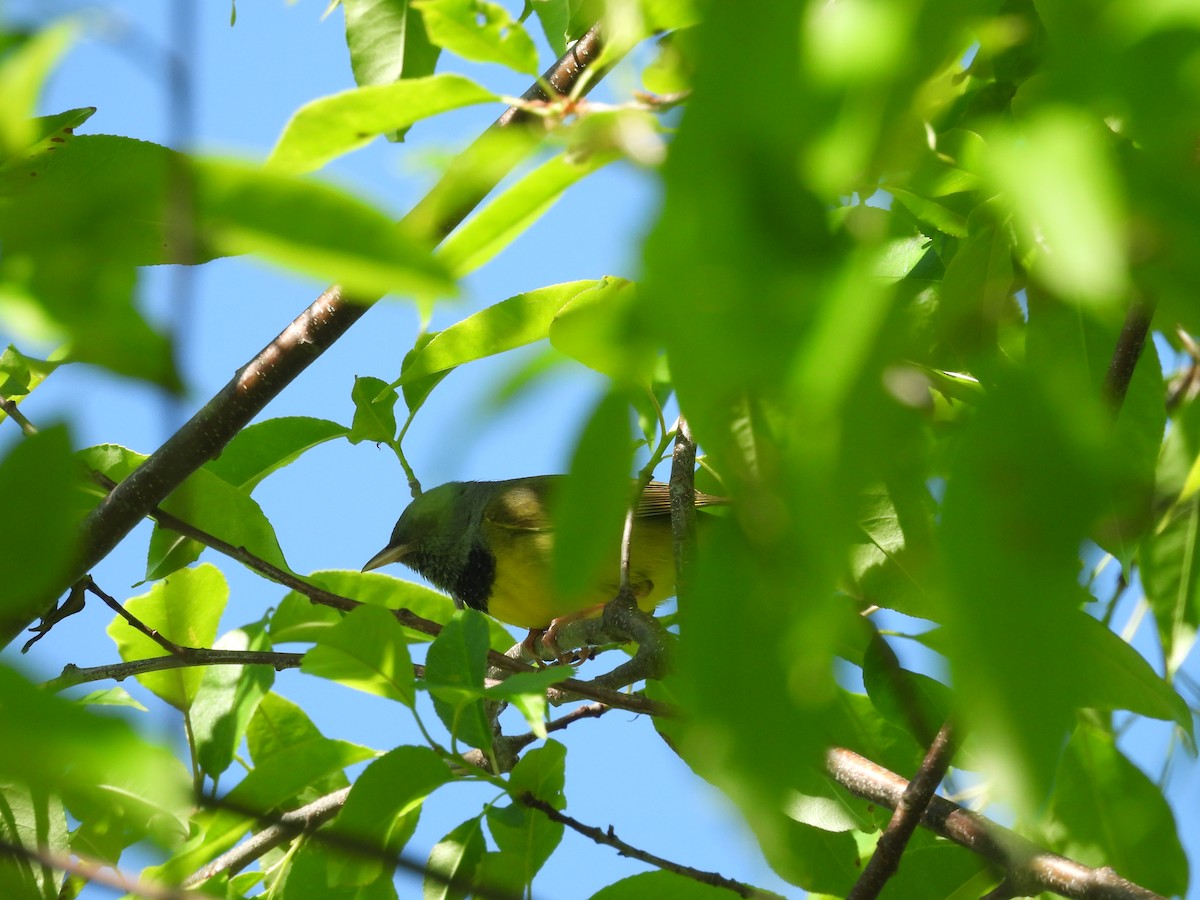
{"x": 367, "y": 650}
{"x": 324, "y": 129}
{"x": 185, "y": 608}
{"x": 479, "y": 31}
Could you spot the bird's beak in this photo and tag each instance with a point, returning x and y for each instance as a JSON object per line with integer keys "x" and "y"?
{"x": 389, "y": 554}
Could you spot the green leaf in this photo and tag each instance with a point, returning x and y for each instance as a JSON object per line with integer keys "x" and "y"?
{"x": 455, "y": 857}
{"x": 367, "y": 651}
{"x": 312, "y": 228}
{"x": 479, "y": 31}
{"x": 23, "y": 72}
{"x": 554, "y": 16}
{"x": 374, "y": 411}
{"x": 387, "y": 41}
{"x": 20, "y": 374}
{"x": 1063, "y": 188}
{"x": 39, "y": 480}
{"x": 1169, "y": 563}
{"x": 383, "y": 806}
{"x": 204, "y": 500}
{"x": 1109, "y": 674}
{"x": 35, "y": 821}
{"x": 417, "y": 391}
{"x": 299, "y": 619}
{"x": 454, "y": 670}
{"x": 909, "y": 700}
{"x": 527, "y": 834}
{"x": 511, "y": 213}
{"x": 265, "y": 447}
{"x": 306, "y": 875}
{"x": 325, "y": 129}
{"x": 184, "y": 608}
{"x": 511, "y": 323}
{"x": 113, "y": 696}
{"x": 105, "y": 773}
{"x": 1106, "y": 812}
{"x": 661, "y": 884}
{"x": 589, "y": 509}
{"x": 527, "y": 692}
{"x": 227, "y": 699}
{"x": 598, "y": 328}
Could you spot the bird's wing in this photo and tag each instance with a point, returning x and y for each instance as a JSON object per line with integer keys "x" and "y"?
{"x": 522, "y": 504}
{"x": 656, "y": 500}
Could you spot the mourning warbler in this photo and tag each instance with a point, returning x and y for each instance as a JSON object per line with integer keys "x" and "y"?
{"x": 490, "y": 545}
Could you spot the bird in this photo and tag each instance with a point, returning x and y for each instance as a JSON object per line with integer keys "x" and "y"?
{"x": 490, "y": 546}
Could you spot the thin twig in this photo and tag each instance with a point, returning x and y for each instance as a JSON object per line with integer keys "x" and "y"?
{"x": 683, "y": 503}
{"x": 73, "y": 675}
{"x": 1027, "y": 866}
{"x": 14, "y": 412}
{"x": 1128, "y": 351}
{"x": 609, "y": 839}
{"x": 134, "y": 622}
{"x": 97, "y": 873}
{"x": 885, "y": 861}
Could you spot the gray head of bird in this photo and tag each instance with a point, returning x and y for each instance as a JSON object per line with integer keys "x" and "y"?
{"x": 432, "y": 535}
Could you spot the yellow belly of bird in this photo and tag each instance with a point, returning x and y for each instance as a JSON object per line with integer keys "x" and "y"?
{"x": 523, "y": 594}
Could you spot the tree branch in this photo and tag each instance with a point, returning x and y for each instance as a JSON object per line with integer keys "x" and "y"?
{"x": 97, "y": 873}
{"x": 609, "y": 839}
{"x": 73, "y": 675}
{"x": 310, "y": 334}
{"x": 915, "y": 800}
{"x": 1128, "y": 351}
{"x": 1028, "y": 868}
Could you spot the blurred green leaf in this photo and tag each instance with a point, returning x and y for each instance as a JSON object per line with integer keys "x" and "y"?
{"x": 367, "y": 651}
{"x": 109, "y": 778}
{"x": 383, "y": 806}
{"x": 39, "y": 480}
{"x": 456, "y": 856}
{"x": 598, "y": 328}
{"x": 36, "y": 822}
{"x": 185, "y": 608}
{"x": 479, "y": 31}
{"x": 1055, "y": 172}
{"x": 662, "y": 884}
{"x": 454, "y": 670}
{"x": 227, "y": 699}
{"x": 514, "y": 210}
{"x": 20, "y": 374}
{"x": 23, "y": 72}
{"x": 325, "y": 129}
{"x": 590, "y": 505}
{"x": 312, "y": 228}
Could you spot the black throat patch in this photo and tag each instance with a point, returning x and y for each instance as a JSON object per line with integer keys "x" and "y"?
{"x": 474, "y": 585}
